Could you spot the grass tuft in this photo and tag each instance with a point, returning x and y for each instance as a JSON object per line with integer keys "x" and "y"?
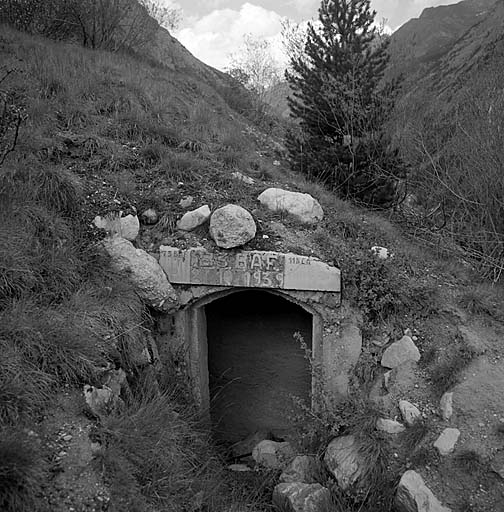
{"x": 21, "y": 473}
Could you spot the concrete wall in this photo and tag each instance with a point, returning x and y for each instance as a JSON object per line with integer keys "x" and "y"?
{"x": 336, "y": 337}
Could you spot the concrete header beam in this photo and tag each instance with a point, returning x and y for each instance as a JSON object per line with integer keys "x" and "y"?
{"x": 249, "y": 269}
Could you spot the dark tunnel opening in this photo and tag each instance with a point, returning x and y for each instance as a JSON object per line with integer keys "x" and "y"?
{"x": 255, "y": 364}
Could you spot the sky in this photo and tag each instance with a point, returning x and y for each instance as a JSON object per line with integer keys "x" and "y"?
{"x": 213, "y": 30}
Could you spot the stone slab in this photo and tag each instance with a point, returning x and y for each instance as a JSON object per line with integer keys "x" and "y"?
{"x": 249, "y": 269}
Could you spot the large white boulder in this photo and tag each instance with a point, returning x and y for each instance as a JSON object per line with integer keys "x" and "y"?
{"x": 191, "y": 220}
{"x": 301, "y": 206}
{"x": 126, "y": 227}
{"x": 299, "y": 497}
{"x": 344, "y": 461}
{"x": 414, "y": 496}
{"x": 144, "y": 271}
{"x": 232, "y": 226}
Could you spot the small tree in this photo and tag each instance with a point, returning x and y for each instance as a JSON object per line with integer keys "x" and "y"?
{"x": 338, "y": 104}
{"x": 254, "y": 66}
{"x": 167, "y": 16}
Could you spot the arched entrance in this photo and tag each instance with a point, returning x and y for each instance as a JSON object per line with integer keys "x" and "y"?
{"x": 255, "y": 362}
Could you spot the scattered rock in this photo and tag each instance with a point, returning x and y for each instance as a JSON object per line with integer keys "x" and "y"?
{"x": 414, "y": 496}
{"x": 497, "y": 463}
{"x": 303, "y": 468}
{"x": 400, "y": 352}
{"x": 303, "y": 207}
{"x": 186, "y": 202}
{"x": 116, "y": 380}
{"x": 382, "y": 253}
{"x": 409, "y": 412}
{"x": 276, "y": 163}
{"x": 191, "y": 220}
{"x": 299, "y": 497}
{"x": 343, "y": 460}
{"x": 125, "y": 227}
{"x": 390, "y": 426}
{"x": 446, "y": 406}
{"x": 232, "y": 226}
{"x": 273, "y": 454}
{"x": 446, "y": 442}
{"x": 144, "y": 271}
{"x": 239, "y": 468}
{"x": 386, "y": 379}
{"x": 242, "y": 177}
{"x": 149, "y": 216}
{"x": 245, "y": 447}
{"x": 101, "y": 401}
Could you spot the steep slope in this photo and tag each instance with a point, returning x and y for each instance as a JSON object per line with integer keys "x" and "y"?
{"x": 421, "y": 41}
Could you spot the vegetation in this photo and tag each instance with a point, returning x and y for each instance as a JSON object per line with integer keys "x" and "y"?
{"x": 107, "y": 24}
{"x": 339, "y": 106}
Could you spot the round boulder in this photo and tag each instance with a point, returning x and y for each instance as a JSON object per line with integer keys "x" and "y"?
{"x": 232, "y": 226}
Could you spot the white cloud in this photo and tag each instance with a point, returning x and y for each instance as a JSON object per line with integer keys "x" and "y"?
{"x": 215, "y": 36}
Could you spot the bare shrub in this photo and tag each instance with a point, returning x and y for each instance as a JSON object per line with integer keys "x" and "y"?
{"x": 457, "y": 156}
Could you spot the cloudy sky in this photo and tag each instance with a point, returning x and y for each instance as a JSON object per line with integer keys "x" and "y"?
{"x": 214, "y": 29}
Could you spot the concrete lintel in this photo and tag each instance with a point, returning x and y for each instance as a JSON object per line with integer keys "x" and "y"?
{"x": 249, "y": 269}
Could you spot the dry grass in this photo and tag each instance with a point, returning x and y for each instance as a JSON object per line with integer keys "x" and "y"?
{"x": 21, "y": 473}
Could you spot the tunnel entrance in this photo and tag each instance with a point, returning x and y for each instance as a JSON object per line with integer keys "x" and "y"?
{"x": 254, "y": 362}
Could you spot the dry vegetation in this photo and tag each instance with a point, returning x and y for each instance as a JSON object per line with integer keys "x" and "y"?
{"x": 105, "y": 131}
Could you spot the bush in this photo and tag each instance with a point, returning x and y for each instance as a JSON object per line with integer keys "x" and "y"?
{"x": 152, "y": 454}
{"x": 21, "y": 473}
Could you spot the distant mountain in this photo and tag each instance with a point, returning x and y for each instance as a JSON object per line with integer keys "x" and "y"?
{"x": 420, "y": 42}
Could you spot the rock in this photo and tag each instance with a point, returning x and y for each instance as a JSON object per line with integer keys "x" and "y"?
{"x": 303, "y": 468}
{"x": 414, "y": 496}
{"x": 242, "y": 177}
{"x": 239, "y": 468}
{"x": 125, "y": 227}
{"x": 497, "y": 463}
{"x": 149, "y": 216}
{"x": 115, "y": 380}
{"x": 446, "y": 442}
{"x": 343, "y": 460}
{"x": 400, "y": 352}
{"x": 191, "y": 220}
{"x": 303, "y": 207}
{"x": 232, "y": 226}
{"x": 101, "y": 401}
{"x": 409, "y": 412}
{"x": 300, "y": 497}
{"x": 272, "y": 454}
{"x": 446, "y": 406}
{"x": 390, "y": 426}
{"x": 382, "y": 253}
{"x": 145, "y": 273}
{"x": 245, "y": 447}
{"x": 186, "y": 202}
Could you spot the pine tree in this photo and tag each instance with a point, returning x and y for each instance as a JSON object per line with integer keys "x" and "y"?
{"x": 336, "y": 100}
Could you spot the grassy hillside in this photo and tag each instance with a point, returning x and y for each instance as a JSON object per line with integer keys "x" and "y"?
{"x": 105, "y": 132}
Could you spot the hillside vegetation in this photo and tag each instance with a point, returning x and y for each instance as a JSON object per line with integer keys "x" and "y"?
{"x": 102, "y": 132}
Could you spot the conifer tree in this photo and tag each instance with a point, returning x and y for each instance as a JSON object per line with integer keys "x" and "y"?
{"x": 337, "y": 103}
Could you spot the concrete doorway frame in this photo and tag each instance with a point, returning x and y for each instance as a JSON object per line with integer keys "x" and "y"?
{"x": 197, "y": 334}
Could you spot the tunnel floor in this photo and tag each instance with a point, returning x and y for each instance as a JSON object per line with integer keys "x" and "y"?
{"x": 255, "y": 364}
